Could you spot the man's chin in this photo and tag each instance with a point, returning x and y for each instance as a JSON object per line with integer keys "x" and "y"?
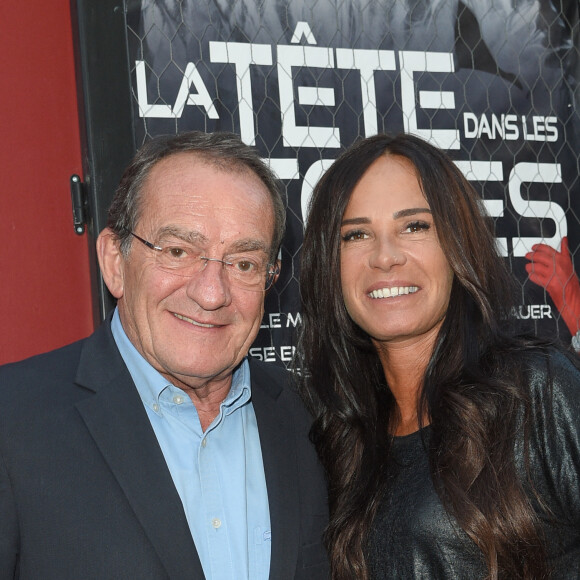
{"x": 201, "y": 376}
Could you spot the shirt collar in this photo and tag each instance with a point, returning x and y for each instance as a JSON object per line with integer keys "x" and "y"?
{"x": 151, "y": 383}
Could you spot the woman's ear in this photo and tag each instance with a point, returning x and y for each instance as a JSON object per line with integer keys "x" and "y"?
{"x": 111, "y": 262}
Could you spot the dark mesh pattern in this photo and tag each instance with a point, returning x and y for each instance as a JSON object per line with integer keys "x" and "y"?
{"x": 493, "y": 82}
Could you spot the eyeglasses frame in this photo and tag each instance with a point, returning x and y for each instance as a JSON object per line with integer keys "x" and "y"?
{"x": 273, "y": 269}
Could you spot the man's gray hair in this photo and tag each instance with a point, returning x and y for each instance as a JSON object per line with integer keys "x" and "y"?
{"x": 226, "y": 151}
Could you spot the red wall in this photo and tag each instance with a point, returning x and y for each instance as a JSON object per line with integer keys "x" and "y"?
{"x": 45, "y": 294}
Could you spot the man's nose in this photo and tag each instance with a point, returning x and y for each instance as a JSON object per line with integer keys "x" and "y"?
{"x": 210, "y": 287}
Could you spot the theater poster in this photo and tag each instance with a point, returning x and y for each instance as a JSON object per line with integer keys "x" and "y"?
{"x": 493, "y": 82}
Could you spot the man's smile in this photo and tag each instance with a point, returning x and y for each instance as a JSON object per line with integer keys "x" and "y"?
{"x": 194, "y": 322}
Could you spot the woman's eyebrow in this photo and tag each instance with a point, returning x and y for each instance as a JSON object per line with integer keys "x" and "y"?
{"x": 398, "y": 214}
{"x": 357, "y": 221}
{"x": 411, "y": 211}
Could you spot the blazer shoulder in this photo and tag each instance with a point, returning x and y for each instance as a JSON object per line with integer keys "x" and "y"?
{"x": 55, "y": 364}
{"x": 34, "y": 396}
{"x": 46, "y": 378}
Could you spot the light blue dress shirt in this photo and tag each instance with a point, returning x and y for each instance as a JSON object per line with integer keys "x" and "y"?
{"x": 219, "y": 473}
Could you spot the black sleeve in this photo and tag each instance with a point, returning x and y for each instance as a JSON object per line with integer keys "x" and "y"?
{"x": 555, "y": 436}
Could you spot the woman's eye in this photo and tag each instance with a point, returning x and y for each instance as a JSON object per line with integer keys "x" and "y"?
{"x": 418, "y": 226}
{"x": 356, "y": 235}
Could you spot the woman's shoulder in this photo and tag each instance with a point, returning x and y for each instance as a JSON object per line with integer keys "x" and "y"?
{"x": 551, "y": 372}
{"x": 553, "y": 378}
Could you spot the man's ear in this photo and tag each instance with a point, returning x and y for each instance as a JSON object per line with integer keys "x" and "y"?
{"x": 278, "y": 268}
{"x": 111, "y": 262}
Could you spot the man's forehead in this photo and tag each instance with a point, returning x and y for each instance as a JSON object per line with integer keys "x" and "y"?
{"x": 185, "y": 161}
{"x": 194, "y": 200}
{"x": 211, "y": 180}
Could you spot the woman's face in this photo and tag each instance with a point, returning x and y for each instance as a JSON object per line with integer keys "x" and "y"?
{"x": 396, "y": 281}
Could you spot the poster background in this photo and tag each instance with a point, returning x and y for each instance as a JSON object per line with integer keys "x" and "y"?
{"x": 493, "y": 82}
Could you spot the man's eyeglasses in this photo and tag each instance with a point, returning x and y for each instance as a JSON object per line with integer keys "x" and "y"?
{"x": 248, "y": 272}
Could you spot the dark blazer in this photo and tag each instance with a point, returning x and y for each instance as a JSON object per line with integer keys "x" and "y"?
{"x": 84, "y": 489}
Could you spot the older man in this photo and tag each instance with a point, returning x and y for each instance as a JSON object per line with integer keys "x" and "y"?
{"x": 155, "y": 448}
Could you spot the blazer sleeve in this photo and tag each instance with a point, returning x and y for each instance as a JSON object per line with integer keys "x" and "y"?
{"x": 9, "y": 535}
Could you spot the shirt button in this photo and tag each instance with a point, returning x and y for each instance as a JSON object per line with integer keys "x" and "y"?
{"x": 216, "y": 523}
{"x": 156, "y": 407}
{"x": 178, "y": 399}
{"x": 204, "y": 442}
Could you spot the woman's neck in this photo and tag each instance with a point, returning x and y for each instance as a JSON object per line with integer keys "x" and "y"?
{"x": 404, "y": 366}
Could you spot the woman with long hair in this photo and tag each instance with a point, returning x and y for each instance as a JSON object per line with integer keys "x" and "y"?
{"x": 451, "y": 442}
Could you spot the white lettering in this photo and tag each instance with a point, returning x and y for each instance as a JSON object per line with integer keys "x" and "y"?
{"x": 287, "y": 353}
{"x": 502, "y": 127}
{"x": 274, "y": 320}
{"x": 202, "y": 98}
{"x": 292, "y": 134}
{"x": 294, "y": 320}
{"x": 415, "y": 61}
{"x": 487, "y": 171}
{"x": 367, "y": 62}
{"x": 484, "y": 127}
{"x": 470, "y": 125}
{"x": 145, "y": 108}
{"x": 531, "y": 208}
{"x": 271, "y": 353}
{"x": 191, "y": 78}
{"x": 303, "y": 30}
{"x": 243, "y": 55}
{"x": 256, "y": 353}
{"x": 511, "y": 130}
{"x": 531, "y": 311}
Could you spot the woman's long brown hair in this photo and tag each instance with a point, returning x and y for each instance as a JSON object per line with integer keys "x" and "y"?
{"x": 473, "y": 391}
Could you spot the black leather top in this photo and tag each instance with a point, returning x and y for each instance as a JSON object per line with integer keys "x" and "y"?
{"x": 414, "y": 537}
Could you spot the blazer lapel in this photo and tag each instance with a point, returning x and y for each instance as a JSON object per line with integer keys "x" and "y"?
{"x": 118, "y": 423}
{"x": 280, "y": 466}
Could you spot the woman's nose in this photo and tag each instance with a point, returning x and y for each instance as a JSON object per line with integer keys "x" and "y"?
{"x": 386, "y": 254}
